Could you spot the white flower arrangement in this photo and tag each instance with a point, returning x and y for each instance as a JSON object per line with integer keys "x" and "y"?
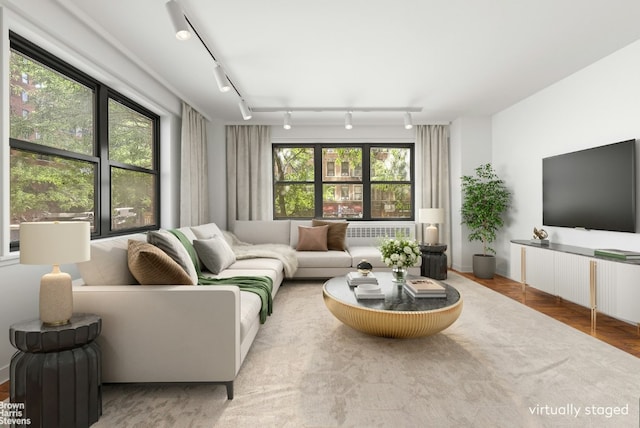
{"x": 400, "y": 252}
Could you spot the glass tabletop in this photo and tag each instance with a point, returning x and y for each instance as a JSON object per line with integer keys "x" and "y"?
{"x": 396, "y": 298}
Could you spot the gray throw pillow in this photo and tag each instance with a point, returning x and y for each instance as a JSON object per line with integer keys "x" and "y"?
{"x": 214, "y": 253}
{"x": 171, "y": 245}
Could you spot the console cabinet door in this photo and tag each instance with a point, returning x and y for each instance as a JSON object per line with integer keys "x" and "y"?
{"x": 572, "y": 276}
{"x": 607, "y": 285}
{"x": 515, "y": 267}
{"x": 628, "y": 292}
{"x": 540, "y": 269}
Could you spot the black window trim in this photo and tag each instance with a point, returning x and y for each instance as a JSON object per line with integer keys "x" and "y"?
{"x": 102, "y": 93}
{"x": 366, "y": 176}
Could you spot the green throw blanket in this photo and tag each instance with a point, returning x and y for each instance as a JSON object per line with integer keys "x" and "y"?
{"x": 260, "y": 285}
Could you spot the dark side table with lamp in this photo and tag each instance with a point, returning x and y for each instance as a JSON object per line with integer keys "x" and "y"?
{"x": 56, "y": 373}
{"x": 56, "y": 376}
{"x": 434, "y": 259}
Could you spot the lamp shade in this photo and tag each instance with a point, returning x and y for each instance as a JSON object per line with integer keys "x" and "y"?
{"x": 54, "y": 243}
{"x": 431, "y": 215}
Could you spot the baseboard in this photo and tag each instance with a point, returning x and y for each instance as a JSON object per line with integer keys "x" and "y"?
{"x": 4, "y": 374}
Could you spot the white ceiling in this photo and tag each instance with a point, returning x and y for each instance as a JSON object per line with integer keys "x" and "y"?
{"x": 452, "y": 58}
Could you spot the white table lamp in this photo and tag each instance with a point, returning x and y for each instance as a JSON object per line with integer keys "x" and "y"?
{"x": 431, "y": 216}
{"x": 55, "y": 243}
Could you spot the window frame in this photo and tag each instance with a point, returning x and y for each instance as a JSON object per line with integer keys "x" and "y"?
{"x": 100, "y": 157}
{"x": 366, "y": 182}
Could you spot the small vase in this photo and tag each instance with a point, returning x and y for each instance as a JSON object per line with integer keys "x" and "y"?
{"x": 399, "y": 274}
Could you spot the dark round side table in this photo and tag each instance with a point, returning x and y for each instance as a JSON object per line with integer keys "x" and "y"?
{"x": 434, "y": 261}
{"x": 56, "y": 373}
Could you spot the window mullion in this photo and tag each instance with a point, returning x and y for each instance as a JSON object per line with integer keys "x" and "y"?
{"x": 102, "y": 146}
{"x": 317, "y": 179}
{"x": 366, "y": 181}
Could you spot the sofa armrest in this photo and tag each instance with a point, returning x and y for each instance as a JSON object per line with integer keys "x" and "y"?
{"x": 165, "y": 333}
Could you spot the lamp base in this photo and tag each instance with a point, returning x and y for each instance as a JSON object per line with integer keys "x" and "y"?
{"x": 431, "y": 235}
{"x": 56, "y": 298}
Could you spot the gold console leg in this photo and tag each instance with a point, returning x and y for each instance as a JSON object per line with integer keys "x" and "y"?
{"x": 523, "y": 272}
{"x": 593, "y": 294}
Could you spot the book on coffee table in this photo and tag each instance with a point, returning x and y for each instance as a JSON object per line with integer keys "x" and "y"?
{"x": 431, "y": 295}
{"x": 425, "y": 287}
{"x": 368, "y": 291}
{"x": 356, "y": 278}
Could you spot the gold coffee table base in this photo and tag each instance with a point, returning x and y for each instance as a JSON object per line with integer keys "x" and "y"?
{"x": 396, "y": 324}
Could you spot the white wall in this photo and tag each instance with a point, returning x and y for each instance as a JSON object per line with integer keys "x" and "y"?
{"x": 595, "y": 106}
{"x": 470, "y": 147}
{"x": 49, "y": 26}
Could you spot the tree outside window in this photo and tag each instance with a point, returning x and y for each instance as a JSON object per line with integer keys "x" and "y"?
{"x": 306, "y": 186}
{"x": 60, "y": 168}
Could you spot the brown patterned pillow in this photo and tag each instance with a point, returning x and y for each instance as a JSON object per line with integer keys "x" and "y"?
{"x": 149, "y": 265}
{"x": 337, "y": 234}
{"x": 312, "y": 238}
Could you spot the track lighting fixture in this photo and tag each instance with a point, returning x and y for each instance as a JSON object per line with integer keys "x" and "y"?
{"x": 183, "y": 32}
{"x": 287, "y": 120}
{"x": 179, "y": 21}
{"x": 244, "y": 109}
{"x": 408, "y": 124}
{"x": 221, "y": 78}
{"x": 348, "y": 120}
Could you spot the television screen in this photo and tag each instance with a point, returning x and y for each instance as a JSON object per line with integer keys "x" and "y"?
{"x": 591, "y": 189}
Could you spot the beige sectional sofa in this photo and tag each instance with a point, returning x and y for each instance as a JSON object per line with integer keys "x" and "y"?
{"x": 316, "y": 264}
{"x": 193, "y": 333}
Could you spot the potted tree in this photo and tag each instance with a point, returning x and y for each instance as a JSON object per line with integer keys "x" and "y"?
{"x": 485, "y": 199}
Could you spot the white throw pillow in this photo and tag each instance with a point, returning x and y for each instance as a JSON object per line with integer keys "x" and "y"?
{"x": 214, "y": 253}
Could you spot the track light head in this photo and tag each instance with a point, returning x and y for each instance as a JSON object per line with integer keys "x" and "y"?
{"x": 287, "y": 120}
{"x": 244, "y": 109}
{"x": 179, "y": 22}
{"x": 408, "y": 123}
{"x": 348, "y": 120}
{"x": 221, "y": 78}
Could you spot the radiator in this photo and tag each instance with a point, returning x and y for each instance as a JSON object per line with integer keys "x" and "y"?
{"x": 373, "y": 232}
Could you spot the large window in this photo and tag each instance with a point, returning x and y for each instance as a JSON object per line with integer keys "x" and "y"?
{"x": 78, "y": 150}
{"x": 352, "y": 181}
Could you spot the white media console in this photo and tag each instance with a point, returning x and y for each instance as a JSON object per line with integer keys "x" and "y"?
{"x": 604, "y": 285}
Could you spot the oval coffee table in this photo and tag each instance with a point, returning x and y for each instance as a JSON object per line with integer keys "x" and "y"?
{"x": 397, "y": 315}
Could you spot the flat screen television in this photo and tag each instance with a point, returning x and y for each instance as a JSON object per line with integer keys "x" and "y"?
{"x": 591, "y": 189}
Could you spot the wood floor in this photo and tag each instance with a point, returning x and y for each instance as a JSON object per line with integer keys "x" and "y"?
{"x": 616, "y": 333}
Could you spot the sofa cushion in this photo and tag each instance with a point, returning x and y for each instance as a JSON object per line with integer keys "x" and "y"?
{"x": 295, "y": 224}
{"x": 323, "y": 259}
{"x": 262, "y": 231}
{"x": 336, "y": 235}
{"x": 276, "y": 276}
{"x": 171, "y": 245}
{"x": 152, "y": 266}
{"x": 312, "y": 238}
{"x": 250, "y": 306}
{"x": 258, "y": 263}
{"x": 186, "y": 231}
{"x": 214, "y": 253}
{"x": 368, "y": 253}
{"x": 108, "y": 263}
{"x": 206, "y": 231}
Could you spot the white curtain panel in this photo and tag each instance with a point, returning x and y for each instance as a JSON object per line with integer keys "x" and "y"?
{"x": 194, "y": 190}
{"x": 248, "y": 173}
{"x": 436, "y": 183}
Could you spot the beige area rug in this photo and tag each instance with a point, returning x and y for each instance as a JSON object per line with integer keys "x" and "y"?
{"x": 500, "y": 365}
